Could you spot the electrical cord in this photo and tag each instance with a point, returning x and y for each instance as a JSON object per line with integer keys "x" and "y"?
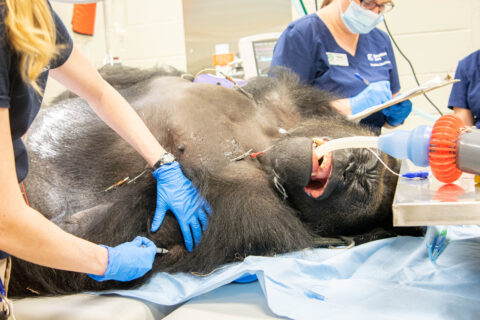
{"x": 399, "y": 50}
{"x": 303, "y": 7}
{"x": 411, "y": 66}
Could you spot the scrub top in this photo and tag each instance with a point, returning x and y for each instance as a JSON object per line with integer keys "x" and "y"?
{"x": 309, "y": 49}
{"x": 22, "y": 100}
{"x": 466, "y": 93}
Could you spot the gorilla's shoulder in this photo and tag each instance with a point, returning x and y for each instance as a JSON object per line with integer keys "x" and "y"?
{"x": 123, "y": 77}
{"x": 284, "y": 84}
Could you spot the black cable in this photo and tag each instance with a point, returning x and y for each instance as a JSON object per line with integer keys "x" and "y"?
{"x": 411, "y": 66}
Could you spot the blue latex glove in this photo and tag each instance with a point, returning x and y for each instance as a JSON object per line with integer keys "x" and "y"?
{"x": 396, "y": 114}
{"x": 129, "y": 260}
{"x": 177, "y": 194}
{"x": 374, "y": 94}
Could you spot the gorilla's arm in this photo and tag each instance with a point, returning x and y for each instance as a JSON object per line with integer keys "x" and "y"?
{"x": 249, "y": 218}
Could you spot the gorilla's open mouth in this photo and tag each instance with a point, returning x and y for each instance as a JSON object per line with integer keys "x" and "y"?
{"x": 321, "y": 171}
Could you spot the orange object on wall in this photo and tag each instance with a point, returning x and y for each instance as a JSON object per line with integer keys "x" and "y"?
{"x": 83, "y": 19}
{"x": 223, "y": 59}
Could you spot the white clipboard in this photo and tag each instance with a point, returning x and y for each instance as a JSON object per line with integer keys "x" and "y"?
{"x": 430, "y": 85}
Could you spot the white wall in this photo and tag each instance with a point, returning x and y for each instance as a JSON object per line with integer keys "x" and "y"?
{"x": 154, "y": 35}
{"x": 175, "y": 32}
{"x": 211, "y": 22}
{"x": 434, "y": 35}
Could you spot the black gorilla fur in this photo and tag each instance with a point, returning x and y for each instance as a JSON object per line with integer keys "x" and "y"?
{"x": 74, "y": 158}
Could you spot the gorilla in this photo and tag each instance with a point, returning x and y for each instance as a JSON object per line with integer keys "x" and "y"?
{"x": 87, "y": 180}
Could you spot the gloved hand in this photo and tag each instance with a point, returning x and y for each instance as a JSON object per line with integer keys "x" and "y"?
{"x": 177, "y": 194}
{"x": 374, "y": 94}
{"x": 396, "y": 114}
{"x": 129, "y": 260}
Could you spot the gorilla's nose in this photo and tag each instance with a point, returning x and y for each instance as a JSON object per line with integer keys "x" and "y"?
{"x": 358, "y": 168}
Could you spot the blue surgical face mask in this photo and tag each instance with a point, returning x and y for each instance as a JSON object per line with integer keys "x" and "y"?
{"x": 360, "y": 20}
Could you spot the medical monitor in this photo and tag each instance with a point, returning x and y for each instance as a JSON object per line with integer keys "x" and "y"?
{"x": 256, "y": 51}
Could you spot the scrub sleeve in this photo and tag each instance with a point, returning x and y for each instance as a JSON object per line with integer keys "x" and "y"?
{"x": 21, "y": 99}
{"x": 466, "y": 93}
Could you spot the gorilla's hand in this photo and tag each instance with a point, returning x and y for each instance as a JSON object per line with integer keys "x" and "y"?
{"x": 177, "y": 194}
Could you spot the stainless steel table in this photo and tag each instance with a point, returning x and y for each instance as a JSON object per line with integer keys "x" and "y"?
{"x": 431, "y": 202}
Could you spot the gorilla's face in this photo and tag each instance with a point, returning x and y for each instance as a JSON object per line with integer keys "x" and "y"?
{"x": 347, "y": 190}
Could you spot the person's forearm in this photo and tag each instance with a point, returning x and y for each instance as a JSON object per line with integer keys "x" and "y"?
{"x": 112, "y": 108}
{"x": 465, "y": 114}
{"x": 28, "y": 235}
{"x": 79, "y": 76}
{"x": 342, "y": 106}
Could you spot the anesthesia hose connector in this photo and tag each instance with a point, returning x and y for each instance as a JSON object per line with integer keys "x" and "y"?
{"x": 448, "y": 147}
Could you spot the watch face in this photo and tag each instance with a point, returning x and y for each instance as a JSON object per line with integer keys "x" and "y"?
{"x": 167, "y": 158}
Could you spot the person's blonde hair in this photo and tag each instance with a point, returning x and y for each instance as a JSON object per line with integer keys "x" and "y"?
{"x": 31, "y": 32}
{"x": 326, "y": 3}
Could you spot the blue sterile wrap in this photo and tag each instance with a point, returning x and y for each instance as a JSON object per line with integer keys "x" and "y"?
{"x": 385, "y": 279}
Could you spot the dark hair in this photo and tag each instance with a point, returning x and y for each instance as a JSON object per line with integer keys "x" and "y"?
{"x": 326, "y": 3}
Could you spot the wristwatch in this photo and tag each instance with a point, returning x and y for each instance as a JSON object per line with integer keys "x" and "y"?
{"x": 166, "y": 158}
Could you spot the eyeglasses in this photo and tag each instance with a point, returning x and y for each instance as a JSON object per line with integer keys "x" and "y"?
{"x": 372, "y": 4}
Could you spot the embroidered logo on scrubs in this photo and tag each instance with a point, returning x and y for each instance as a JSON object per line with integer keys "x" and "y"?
{"x": 337, "y": 59}
{"x": 378, "y": 60}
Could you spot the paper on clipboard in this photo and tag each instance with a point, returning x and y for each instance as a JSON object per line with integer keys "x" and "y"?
{"x": 435, "y": 83}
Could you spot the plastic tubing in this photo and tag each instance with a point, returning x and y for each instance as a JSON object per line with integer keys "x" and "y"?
{"x": 346, "y": 143}
{"x": 425, "y": 115}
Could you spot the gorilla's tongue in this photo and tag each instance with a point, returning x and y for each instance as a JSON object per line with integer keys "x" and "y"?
{"x": 321, "y": 171}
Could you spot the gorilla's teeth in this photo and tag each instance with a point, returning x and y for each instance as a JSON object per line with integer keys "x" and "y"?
{"x": 319, "y": 141}
{"x": 325, "y": 161}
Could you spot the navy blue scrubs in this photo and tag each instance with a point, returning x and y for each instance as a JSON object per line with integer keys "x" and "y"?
{"x": 308, "y": 48}
{"x": 22, "y": 100}
{"x": 466, "y": 93}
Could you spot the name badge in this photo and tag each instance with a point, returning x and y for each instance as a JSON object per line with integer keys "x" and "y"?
{"x": 337, "y": 59}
